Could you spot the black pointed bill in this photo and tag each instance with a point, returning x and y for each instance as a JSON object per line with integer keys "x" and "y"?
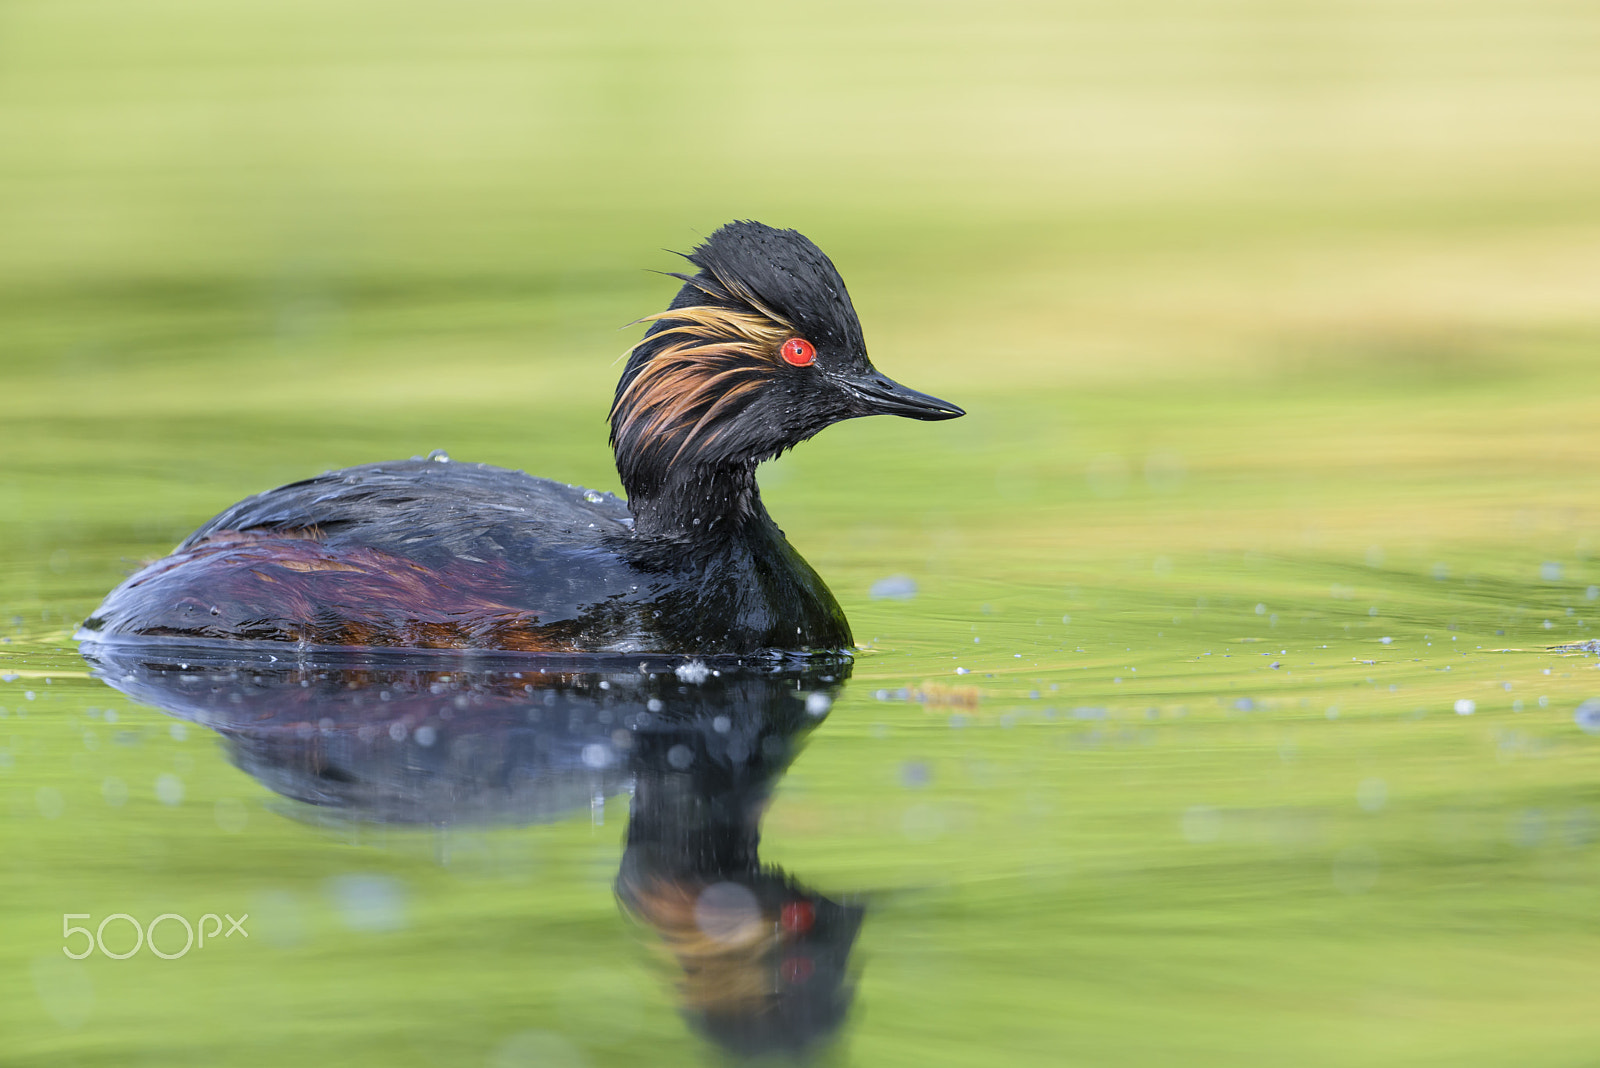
{"x": 877, "y": 395}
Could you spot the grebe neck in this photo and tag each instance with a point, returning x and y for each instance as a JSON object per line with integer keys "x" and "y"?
{"x": 703, "y": 501}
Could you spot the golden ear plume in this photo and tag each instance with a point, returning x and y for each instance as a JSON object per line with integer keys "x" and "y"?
{"x": 714, "y": 357}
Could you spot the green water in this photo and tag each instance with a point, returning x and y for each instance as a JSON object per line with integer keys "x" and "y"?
{"x": 1277, "y": 332}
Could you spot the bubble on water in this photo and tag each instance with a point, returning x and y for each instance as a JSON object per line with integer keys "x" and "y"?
{"x": 369, "y": 902}
{"x": 817, "y": 704}
{"x": 894, "y": 588}
{"x": 114, "y": 790}
{"x": 231, "y": 815}
{"x": 1465, "y": 706}
{"x": 695, "y": 671}
{"x": 50, "y": 802}
{"x": 1372, "y": 795}
{"x": 1587, "y": 715}
{"x": 169, "y": 790}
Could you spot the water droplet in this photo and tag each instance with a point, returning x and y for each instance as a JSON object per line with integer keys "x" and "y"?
{"x": 593, "y": 496}
{"x": 369, "y": 902}
{"x": 1587, "y": 716}
{"x": 694, "y": 671}
{"x": 894, "y": 588}
{"x": 439, "y": 456}
{"x": 169, "y": 790}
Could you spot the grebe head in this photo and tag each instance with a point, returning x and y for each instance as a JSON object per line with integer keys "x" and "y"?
{"x": 760, "y": 349}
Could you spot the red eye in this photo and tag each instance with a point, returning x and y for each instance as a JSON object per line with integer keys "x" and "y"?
{"x": 798, "y": 351}
{"x": 797, "y": 917}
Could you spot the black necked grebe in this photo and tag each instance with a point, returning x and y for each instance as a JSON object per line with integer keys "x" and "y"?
{"x": 759, "y": 350}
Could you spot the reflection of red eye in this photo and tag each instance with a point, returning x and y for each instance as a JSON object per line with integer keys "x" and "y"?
{"x": 798, "y": 351}
{"x": 796, "y": 970}
{"x": 798, "y": 916}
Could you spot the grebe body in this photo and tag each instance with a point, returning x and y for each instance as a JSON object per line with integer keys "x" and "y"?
{"x": 435, "y": 554}
{"x": 760, "y": 349}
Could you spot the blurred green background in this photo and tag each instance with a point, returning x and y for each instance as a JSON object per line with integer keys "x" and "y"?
{"x": 1277, "y": 323}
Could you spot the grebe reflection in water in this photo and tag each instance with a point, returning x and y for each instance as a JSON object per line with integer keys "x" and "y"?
{"x": 763, "y": 961}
